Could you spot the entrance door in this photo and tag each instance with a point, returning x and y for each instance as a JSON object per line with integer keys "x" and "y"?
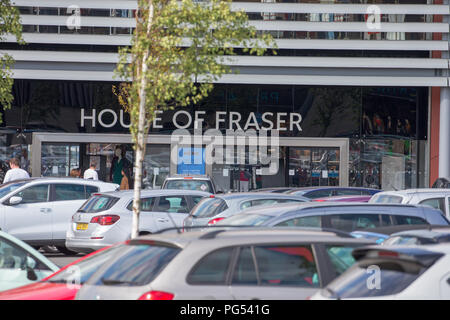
{"x": 313, "y": 166}
{"x": 58, "y": 159}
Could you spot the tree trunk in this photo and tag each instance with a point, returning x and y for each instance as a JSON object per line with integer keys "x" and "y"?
{"x": 140, "y": 142}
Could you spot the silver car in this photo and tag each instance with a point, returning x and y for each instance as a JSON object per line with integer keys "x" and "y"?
{"x": 39, "y": 210}
{"x": 436, "y": 198}
{"x": 214, "y": 209}
{"x": 400, "y": 272}
{"x": 223, "y": 264}
{"x": 106, "y": 218}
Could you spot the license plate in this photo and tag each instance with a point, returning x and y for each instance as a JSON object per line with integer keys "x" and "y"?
{"x": 82, "y": 226}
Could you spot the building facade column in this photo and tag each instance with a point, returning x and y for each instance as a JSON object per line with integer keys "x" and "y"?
{"x": 444, "y": 133}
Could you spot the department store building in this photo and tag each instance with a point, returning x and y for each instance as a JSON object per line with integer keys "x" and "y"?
{"x": 359, "y": 91}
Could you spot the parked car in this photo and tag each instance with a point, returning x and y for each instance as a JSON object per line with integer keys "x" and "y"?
{"x": 106, "y": 218}
{"x": 223, "y": 264}
{"x": 436, "y": 198}
{"x": 394, "y": 273}
{"x": 213, "y": 209}
{"x": 321, "y": 192}
{"x": 344, "y": 199}
{"x": 63, "y": 284}
{"x": 341, "y": 216}
{"x": 430, "y": 235}
{"x": 38, "y": 210}
{"x": 20, "y": 264}
{"x": 192, "y": 182}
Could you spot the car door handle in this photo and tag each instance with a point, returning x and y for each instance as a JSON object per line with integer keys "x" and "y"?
{"x": 163, "y": 220}
{"x": 45, "y": 210}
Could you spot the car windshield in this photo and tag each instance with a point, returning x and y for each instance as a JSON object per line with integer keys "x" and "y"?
{"x": 245, "y": 220}
{"x": 7, "y": 188}
{"x": 98, "y": 203}
{"x": 80, "y": 272}
{"x": 188, "y": 184}
{"x": 209, "y": 207}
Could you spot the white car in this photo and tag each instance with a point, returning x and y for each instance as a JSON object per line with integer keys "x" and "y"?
{"x": 39, "y": 210}
{"x": 20, "y": 264}
{"x": 394, "y": 273}
{"x": 436, "y": 198}
{"x": 106, "y": 218}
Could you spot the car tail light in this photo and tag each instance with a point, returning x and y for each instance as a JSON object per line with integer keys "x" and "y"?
{"x": 105, "y": 220}
{"x": 388, "y": 254}
{"x": 156, "y": 295}
{"x": 319, "y": 200}
{"x": 188, "y": 178}
{"x": 214, "y": 221}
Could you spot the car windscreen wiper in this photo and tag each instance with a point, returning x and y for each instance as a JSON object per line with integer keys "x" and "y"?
{"x": 111, "y": 282}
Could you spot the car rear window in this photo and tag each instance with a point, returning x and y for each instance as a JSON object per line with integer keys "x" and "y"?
{"x": 98, "y": 203}
{"x": 83, "y": 270}
{"x": 375, "y": 279}
{"x": 244, "y": 220}
{"x": 209, "y": 207}
{"x": 386, "y": 199}
{"x": 138, "y": 265}
{"x": 187, "y": 184}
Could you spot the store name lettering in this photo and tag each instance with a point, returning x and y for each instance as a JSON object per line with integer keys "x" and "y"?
{"x": 282, "y": 121}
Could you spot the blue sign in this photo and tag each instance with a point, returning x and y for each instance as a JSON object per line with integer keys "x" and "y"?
{"x": 191, "y": 161}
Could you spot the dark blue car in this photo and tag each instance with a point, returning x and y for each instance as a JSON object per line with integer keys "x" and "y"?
{"x": 323, "y": 192}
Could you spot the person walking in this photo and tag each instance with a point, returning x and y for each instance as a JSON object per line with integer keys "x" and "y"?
{"x": 91, "y": 173}
{"x": 15, "y": 173}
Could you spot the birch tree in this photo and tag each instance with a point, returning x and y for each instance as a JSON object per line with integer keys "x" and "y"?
{"x": 9, "y": 24}
{"x": 178, "y": 49}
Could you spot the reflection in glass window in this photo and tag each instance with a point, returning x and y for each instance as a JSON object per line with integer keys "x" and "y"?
{"x": 212, "y": 269}
{"x": 352, "y": 222}
{"x": 245, "y": 272}
{"x": 172, "y": 204}
{"x": 286, "y": 266}
{"x": 437, "y": 203}
{"x": 313, "y": 222}
{"x": 34, "y": 194}
{"x": 69, "y": 192}
{"x": 341, "y": 257}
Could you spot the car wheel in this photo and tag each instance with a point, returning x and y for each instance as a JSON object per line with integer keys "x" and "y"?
{"x": 66, "y": 251}
{"x": 50, "y": 249}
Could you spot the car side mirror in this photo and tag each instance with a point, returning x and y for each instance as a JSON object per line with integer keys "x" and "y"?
{"x": 30, "y": 265}
{"x": 15, "y": 200}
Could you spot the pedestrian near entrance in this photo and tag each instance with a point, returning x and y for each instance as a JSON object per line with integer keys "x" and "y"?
{"x": 91, "y": 173}
{"x": 126, "y": 178}
{"x": 244, "y": 177}
{"x": 15, "y": 173}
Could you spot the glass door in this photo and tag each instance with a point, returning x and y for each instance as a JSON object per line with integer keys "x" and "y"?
{"x": 59, "y": 159}
{"x": 313, "y": 166}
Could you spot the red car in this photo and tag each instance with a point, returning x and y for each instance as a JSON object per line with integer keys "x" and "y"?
{"x": 65, "y": 283}
{"x": 355, "y": 198}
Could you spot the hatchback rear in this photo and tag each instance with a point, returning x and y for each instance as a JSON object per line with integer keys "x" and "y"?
{"x": 106, "y": 218}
